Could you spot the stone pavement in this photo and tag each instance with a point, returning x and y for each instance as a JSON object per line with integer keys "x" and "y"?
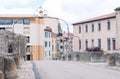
{"x": 25, "y": 71}
{"x": 75, "y": 70}
{"x": 104, "y": 65}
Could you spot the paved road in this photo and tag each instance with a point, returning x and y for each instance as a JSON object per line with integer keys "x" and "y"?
{"x": 73, "y": 70}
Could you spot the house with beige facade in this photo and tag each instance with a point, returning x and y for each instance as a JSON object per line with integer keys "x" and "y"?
{"x": 54, "y": 46}
{"x": 33, "y": 28}
{"x": 102, "y": 32}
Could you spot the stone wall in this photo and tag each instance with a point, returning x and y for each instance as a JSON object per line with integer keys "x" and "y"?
{"x": 94, "y": 57}
{"x": 2, "y": 64}
{"x": 85, "y": 57}
{"x": 9, "y": 65}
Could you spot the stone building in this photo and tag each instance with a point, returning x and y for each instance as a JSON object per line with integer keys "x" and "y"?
{"x": 11, "y": 43}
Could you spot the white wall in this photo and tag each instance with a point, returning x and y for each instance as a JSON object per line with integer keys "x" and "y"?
{"x": 103, "y": 34}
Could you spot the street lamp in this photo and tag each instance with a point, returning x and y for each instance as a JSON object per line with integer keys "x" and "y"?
{"x": 13, "y": 35}
{"x": 43, "y": 13}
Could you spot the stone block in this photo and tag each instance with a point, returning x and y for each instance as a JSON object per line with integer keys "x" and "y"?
{"x": 10, "y": 68}
{"x": 111, "y": 60}
{"x": 2, "y": 64}
{"x": 1, "y": 75}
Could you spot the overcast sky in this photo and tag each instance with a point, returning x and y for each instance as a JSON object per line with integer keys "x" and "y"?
{"x": 69, "y": 10}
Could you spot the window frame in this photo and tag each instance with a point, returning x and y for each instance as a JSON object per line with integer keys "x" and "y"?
{"x": 93, "y": 27}
{"x": 86, "y": 28}
{"x": 108, "y": 25}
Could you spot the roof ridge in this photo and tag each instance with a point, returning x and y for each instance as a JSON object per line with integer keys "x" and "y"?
{"x": 105, "y": 16}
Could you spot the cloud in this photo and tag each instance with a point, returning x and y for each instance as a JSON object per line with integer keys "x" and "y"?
{"x": 69, "y": 10}
{"x": 81, "y": 9}
{"x": 77, "y": 10}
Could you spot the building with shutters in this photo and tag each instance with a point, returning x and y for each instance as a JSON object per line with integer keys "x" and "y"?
{"x": 102, "y": 32}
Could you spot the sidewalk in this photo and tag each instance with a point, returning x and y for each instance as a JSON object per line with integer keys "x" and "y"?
{"x": 104, "y": 65}
{"x": 26, "y": 71}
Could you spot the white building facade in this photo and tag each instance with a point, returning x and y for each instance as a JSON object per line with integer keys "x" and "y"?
{"x": 32, "y": 27}
{"x": 47, "y": 44}
{"x": 102, "y": 32}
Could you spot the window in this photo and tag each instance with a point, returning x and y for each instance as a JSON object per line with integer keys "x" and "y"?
{"x": 92, "y": 27}
{"x": 86, "y": 28}
{"x": 86, "y": 44}
{"x": 79, "y": 44}
{"x": 18, "y": 21}
{"x": 61, "y": 40}
{"x": 92, "y": 43}
{"x": 79, "y": 29}
{"x": 27, "y": 39}
{"x": 108, "y": 24}
{"x": 49, "y": 43}
{"x": 61, "y": 47}
{"x": 26, "y": 21}
{"x": 2, "y": 28}
{"x": 99, "y": 26}
{"x": 45, "y": 43}
{"x": 99, "y": 43}
{"x": 46, "y": 34}
{"x": 49, "y": 35}
{"x": 10, "y": 48}
{"x": 28, "y": 49}
{"x": 6, "y": 22}
{"x": 108, "y": 44}
{"x": 114, "y": 43}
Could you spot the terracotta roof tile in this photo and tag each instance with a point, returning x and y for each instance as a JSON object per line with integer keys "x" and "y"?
{"x": 111, "y": 15}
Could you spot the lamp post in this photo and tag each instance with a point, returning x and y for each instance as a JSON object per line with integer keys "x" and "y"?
{"x": 13, "y": 35}
{"x": 13, "y": 47}
{"x": 43, "y": 13}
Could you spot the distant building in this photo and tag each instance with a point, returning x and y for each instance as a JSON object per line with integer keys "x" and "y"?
{"x": 54, "y": 46}
{"x": 32, "y": 27}
{"x": 68, "y": 42}
{"x": 65, "y": 43}
{"x": 47, "y": 43}
{"x": 102, "y": 32}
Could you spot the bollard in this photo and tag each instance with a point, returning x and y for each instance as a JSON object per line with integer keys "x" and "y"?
{"x": 111, "y": 60}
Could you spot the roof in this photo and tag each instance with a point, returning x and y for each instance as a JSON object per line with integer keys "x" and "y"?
{"x": 107, "y": 16}
{"x": 48, "y": 29}
{"x": 24, "y": 15}
{"x": 17, "y": 15}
